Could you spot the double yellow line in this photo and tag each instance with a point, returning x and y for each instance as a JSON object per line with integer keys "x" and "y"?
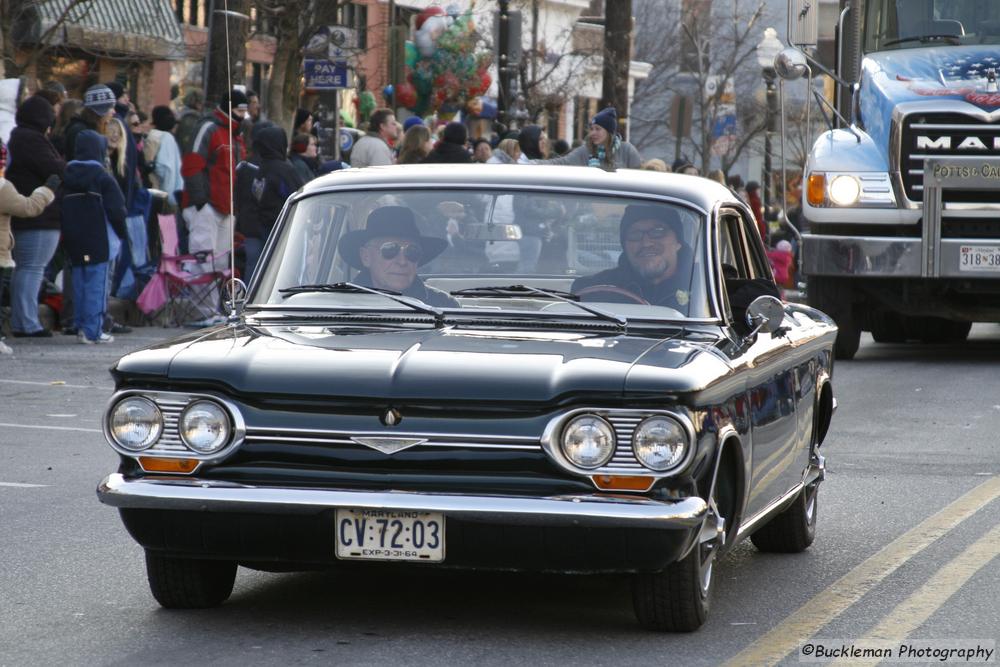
{"x": 792, "y": 633}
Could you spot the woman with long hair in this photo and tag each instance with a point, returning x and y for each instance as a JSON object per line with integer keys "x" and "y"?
{"x": 417, "y": 144}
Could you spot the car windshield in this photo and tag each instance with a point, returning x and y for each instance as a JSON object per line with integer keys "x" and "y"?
{"x": 909, "y": 24}
{"x": 477, "y": 252}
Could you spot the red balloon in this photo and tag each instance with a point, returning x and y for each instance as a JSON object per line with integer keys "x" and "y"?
{"x": 406, "y": 95}
{"x": 427, "y": 13}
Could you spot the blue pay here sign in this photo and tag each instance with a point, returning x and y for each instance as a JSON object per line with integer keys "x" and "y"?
{"x": 325, "y": 74}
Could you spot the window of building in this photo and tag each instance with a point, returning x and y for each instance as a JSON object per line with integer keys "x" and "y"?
{"x": 191, "y": 12}
{"x": 355, "y": 16}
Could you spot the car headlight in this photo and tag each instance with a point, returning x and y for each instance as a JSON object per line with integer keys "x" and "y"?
{"x": 204, "y": 427}
{"x": 660, "y": 443}
{"x": 845, "y": 190}
{"x": 135, "y": 423}
{"x": 588, "y": 441}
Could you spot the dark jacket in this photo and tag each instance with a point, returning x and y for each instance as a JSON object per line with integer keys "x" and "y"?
{"x": 264, "y": 183}
{"x": 305, "y": 167}
{"x": 447, "y": 152}
{"x": 33, "y": 159}
{"x": 76, "y": 125}
{"x": 418, "y": 290}
{"x": 91, "y": 199}
{"x": 673, "y": 292}
{"x": 529, "y": 140}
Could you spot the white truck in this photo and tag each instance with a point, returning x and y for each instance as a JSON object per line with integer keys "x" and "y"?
{"x": 901, "y": 203}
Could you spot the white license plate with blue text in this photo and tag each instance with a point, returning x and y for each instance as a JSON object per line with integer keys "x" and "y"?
{"x": 979, "y": 258}
{"x": 390, "y": 535}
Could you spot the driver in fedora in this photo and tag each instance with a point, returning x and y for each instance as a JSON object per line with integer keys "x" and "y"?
{"x": 388, "y": 251}
{"x": 655, "y": 264}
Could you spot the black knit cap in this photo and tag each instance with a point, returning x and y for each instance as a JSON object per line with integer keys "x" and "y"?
{"x": 163, "y": 118}
{"x": 636, "y": 212}
{"x": 455, "y": 133}
{"x": 606, "y": 118}
{"x": 116, "y": 88}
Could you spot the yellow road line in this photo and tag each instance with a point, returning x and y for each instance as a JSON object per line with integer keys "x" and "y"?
{"x": 808, "y": 619}
{"x": 921, "y": 605}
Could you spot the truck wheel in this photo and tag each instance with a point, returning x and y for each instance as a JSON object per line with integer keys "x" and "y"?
{"x": 835, "y": 298}
{"x": 887, "y": 327}
{"x": 677, "y": 599}
{"x": 187, "y": 583}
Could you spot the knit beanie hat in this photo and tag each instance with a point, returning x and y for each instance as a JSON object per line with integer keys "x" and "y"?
{"x": 163, "y": 118}
{"x": 455, "y": 133}
{"x": 99, "y": 98}
{"x": 236, "y": 97}
{"x": 411, "y": 121}
{"x": 608, "y": 119}
{"x": 301, "y": 116}
{"x": 116, "y": 88}
{"x": 636, "y": 212}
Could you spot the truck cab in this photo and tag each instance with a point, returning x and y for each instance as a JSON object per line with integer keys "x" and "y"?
{"x": 902, "y": 203}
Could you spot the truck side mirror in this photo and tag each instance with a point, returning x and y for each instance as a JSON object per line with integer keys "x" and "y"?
{"x": 803, "y": 22}
{"x": 791, "y": 64}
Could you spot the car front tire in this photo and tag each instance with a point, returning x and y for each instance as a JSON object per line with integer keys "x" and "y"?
{"x": 186, "y": 583}
{"x": 678, "y": 598}
{"x": 794, "y": 529}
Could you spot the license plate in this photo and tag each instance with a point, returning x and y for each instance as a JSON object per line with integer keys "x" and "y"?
{"x": 388, "y": 535}
{"x": 979, "y": 258}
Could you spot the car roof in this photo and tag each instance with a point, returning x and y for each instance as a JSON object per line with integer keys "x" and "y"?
{"x": 701, "y": 192}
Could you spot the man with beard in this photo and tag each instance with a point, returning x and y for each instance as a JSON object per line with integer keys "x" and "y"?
{"x": 655, "y": 264}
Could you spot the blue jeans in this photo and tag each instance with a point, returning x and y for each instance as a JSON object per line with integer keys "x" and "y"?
{"x": 251, "y": 248}
{"x": 32, "y": 251}
{"x": 90, "y": 298}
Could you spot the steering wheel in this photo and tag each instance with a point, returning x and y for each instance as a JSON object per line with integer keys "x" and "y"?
{"x": 616, "y": 294}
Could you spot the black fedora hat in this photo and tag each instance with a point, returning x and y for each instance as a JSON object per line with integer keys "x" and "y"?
{"x": 388, "y": 222}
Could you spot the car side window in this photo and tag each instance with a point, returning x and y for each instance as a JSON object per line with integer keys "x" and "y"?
{"x": 731, "y": 249}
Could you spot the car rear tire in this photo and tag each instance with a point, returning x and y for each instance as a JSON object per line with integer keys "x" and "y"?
{"x": 678, "y": 598}
{"x": 794, "y": 529}
{"x": 186, "y": 583}
{"x": 835, "y": 298}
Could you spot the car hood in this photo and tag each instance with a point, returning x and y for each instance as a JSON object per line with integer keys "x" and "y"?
{"x": 440, "y": 364}
{"x": 954, "y": 76}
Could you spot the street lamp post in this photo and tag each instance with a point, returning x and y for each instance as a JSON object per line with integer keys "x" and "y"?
{"x": 767, "y": 51}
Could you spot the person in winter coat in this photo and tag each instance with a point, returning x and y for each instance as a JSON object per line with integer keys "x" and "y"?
{"x": 33, "y": 160}
{"x": 534, "y": 144}
{"x": 757, "y": 206}
{"x": 451, "y": 148}
{"x": 417, "y": 144}
{"x": 14, "y": 203}
{"x": 603, "y": 147}
{"x": 92, "y": 204}
{"x": 263, "y": 184}
{"x": 161, "y": 151}
{"x": 302, "y": 155}
{"x": 373, "y": 149}
{"x": 209, "y": 171}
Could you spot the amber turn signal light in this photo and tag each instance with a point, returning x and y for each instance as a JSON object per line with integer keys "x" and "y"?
{"x": 154, "y": 464}
{"x": 622, "y": 482}
{"x": 816, "y": 189}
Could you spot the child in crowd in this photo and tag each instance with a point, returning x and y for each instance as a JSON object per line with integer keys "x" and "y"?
{"x": 93, "y": 209}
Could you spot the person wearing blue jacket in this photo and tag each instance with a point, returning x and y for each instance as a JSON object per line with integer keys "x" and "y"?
{"x": 93, "y": 208}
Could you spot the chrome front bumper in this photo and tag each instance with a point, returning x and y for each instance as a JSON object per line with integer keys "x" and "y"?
{"x": 888, "y": 257}
{"x": 577, "y": 510}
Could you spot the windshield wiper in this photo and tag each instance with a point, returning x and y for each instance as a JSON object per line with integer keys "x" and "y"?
{"x": 510, "y": 291}
{"x": 355, "y": 288}
{"x": 921, "y": 39}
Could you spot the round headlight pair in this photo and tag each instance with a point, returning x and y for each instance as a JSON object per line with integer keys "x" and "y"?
{"x": 136, "y": 423}
{"x": 659, "y": 443}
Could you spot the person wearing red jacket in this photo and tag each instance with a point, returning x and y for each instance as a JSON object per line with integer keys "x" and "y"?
{"x": 757, "y": 206}
{"x": 209, "y": 172}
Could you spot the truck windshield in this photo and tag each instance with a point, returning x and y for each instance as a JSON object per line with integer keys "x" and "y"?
{"x": 910, "y": 24}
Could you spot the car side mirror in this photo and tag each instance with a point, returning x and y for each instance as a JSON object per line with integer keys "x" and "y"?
{"x": 765, "y": 313}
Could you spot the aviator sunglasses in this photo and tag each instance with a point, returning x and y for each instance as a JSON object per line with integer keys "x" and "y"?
{"x": 411, "y": 251}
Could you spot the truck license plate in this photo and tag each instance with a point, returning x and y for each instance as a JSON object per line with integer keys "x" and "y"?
{"x": 390, "y": 535}
{"x": 979, "y": 258}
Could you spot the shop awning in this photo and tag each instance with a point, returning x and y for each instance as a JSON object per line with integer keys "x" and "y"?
{"x": 146, "y": 29}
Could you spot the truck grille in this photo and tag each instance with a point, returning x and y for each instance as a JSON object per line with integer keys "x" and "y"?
{"x": 941, "y": 135}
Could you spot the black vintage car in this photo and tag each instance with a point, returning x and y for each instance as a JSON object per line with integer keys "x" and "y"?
{"x": 511, "y": 367}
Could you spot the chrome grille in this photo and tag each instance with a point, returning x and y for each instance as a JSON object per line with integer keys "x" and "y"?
{"x": 171, "y": 406}
{"x": 343, "y": 438}
{"x": 950, "y": 130}
{"x": 623, "y": 458}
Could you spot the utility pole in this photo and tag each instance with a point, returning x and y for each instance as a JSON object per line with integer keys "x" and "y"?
{"x": 503, "y": 67}
{"x": 233, "y": 15}
{"x": 617, "y": 57}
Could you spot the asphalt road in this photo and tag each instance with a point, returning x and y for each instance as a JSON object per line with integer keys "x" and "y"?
{"x": 906, "y": 552}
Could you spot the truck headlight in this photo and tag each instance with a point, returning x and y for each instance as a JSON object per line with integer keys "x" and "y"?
{"x": 135, "y": 423}
{"x": 660, "y": 443}
{"x": 204, "y": 427}
{"x": 845, "y": 190}
{"x": 588, "y": 441}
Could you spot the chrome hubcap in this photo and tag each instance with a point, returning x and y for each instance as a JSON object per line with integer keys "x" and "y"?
{"x": 711, "y": 539}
